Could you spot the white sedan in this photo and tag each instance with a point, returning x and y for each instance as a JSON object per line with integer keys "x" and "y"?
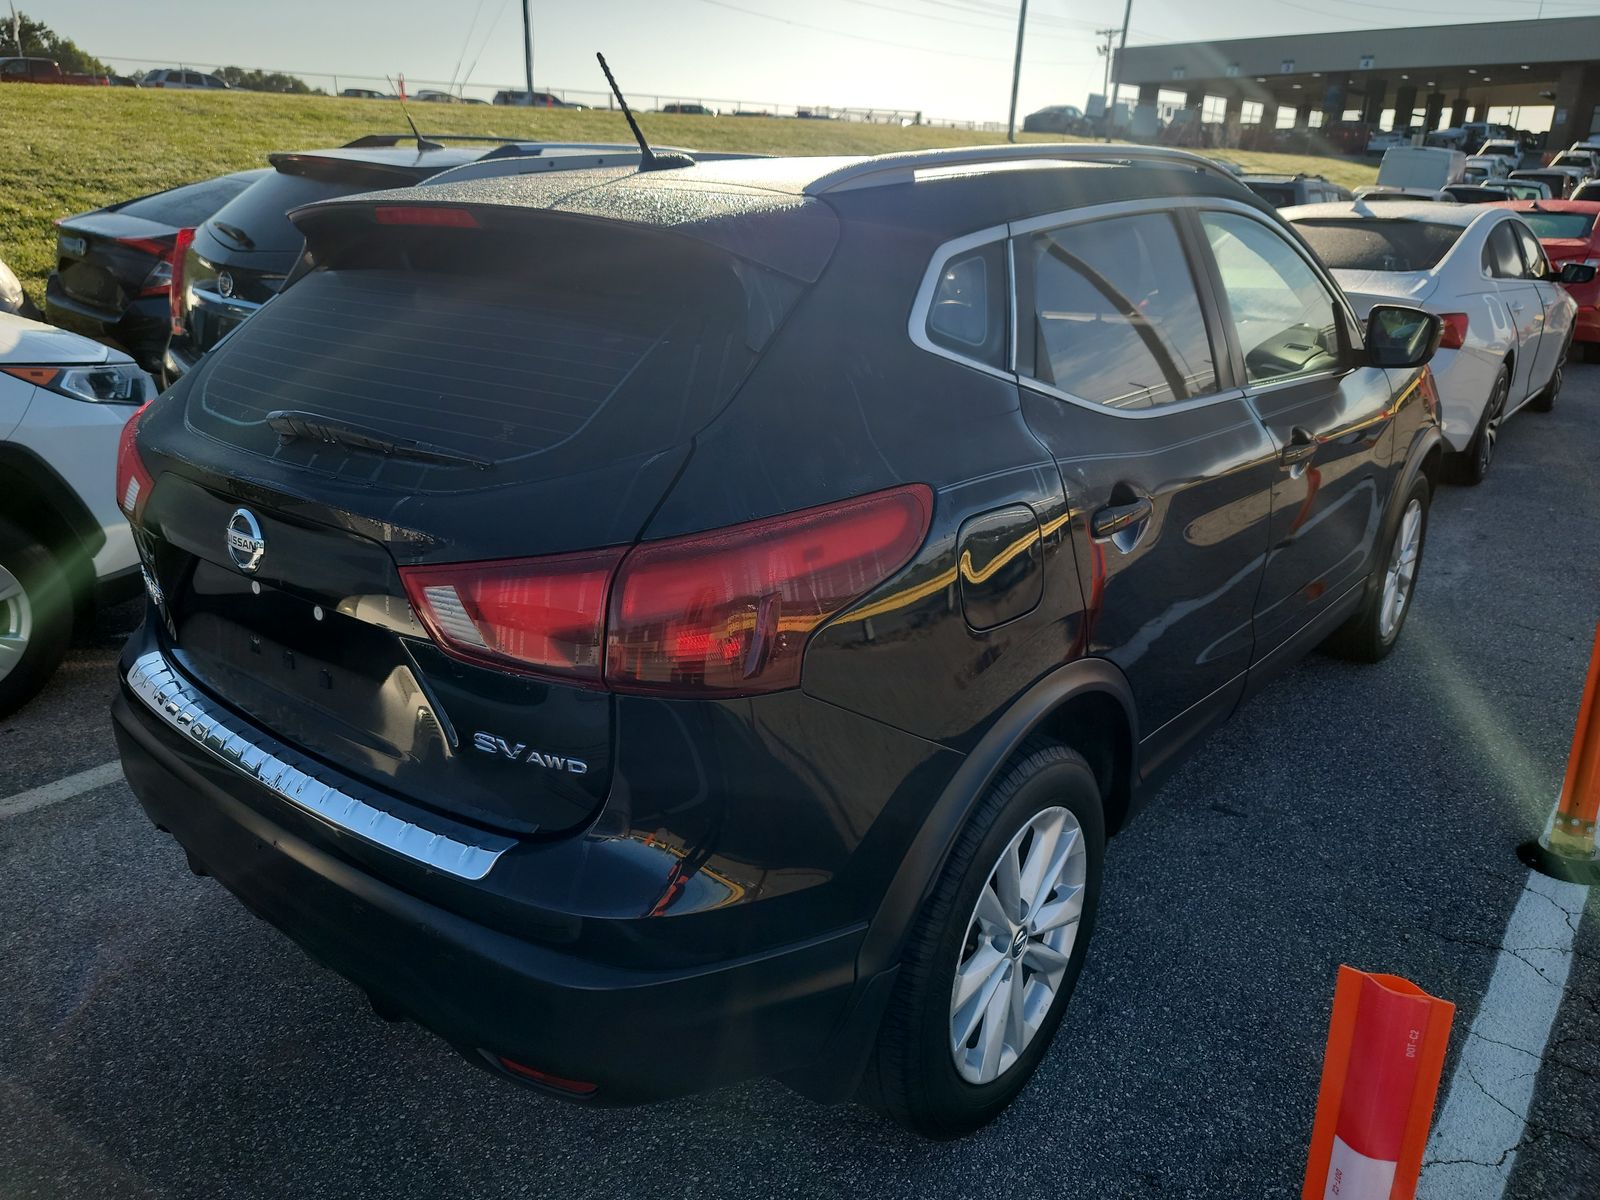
{"x": 1507, "y": 320}
{"x": 63, "y": 542}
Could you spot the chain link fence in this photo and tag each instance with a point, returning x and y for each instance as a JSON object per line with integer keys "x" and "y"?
{"x": 454, "y": 91}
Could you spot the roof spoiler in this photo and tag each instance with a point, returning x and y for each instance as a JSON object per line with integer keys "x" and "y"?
{"x": 394, "y": 139}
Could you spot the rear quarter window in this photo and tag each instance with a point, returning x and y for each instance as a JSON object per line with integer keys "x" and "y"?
{"x": 1379, "y": 245}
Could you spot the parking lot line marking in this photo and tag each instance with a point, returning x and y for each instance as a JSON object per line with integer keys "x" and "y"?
{"x": 61, "y": 789}
{"x": 1474, "y": 1145}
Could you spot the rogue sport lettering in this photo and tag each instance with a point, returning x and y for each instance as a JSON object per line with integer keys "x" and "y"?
{"x": 489, "y": 744}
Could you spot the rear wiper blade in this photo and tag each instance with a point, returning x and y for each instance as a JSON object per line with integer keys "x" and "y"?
{"x": 234, "y": 234}
{"x": 311, "y": 427}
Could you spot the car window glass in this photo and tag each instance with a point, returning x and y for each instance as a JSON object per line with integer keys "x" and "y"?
{"x": 967, "y": 312}
{"x": 1532, "y": 252}
{"x": 1504, "y": 259}
{"x": 188, "y": 205}
{"x": 1379, "y": 244}
{"x": 261, "y": 211}
{"x": 1116, "y": 317}
{"x": 1285, "y": 319}
{"x": 192, "y": 77}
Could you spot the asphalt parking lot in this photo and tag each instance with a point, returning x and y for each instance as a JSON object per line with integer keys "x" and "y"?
{"x": 159, "y": 1041}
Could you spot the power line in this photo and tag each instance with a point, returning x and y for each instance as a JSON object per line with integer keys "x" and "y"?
{"x": 947, "y": 20}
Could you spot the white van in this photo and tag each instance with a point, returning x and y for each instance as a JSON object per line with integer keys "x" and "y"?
{"x": 1422, "y": 169}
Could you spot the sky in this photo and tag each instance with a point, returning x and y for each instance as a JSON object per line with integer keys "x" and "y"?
{"x": 944, "y": 58}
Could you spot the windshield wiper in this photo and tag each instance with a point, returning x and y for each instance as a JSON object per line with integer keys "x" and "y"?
{"x": 234, "y": 234}
{"x": 292, "y": 426}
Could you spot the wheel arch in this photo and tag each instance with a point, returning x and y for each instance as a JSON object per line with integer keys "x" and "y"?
{"x": 41, "y": 502}
{"x": 1086, "y": 705}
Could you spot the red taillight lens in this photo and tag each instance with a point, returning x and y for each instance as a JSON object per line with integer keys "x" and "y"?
{"x": 1455, "y": 331}
{"x": 729, "y": 612}
{"x": 539, "y": 616}
{"x": 133, "y": 478}
{"x": 180, "y": 251}
{"x": 725, "y": 613}
{"x": 416, "y": 214}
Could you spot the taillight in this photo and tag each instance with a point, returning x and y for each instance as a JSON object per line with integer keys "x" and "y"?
{"x": 159, "y": 280}
{"x": 724, "y": 613}
{"x": 133, "y": 478}
{"x": 729, "y": 612}
{"x": 539, "y": 616}
{"x": 180, "y": 251}
{"x": 1455, "y": 331}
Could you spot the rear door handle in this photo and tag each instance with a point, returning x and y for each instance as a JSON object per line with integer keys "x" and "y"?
{"x": 1111, "y": 520}
{"x": 1302, "y": 445}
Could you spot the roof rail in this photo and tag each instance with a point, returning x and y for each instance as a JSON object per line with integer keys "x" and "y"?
{"x": 886, "y": 169}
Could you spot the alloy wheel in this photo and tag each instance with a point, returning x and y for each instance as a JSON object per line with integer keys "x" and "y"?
{"x": 1018, "y": 942}
{"x": 1491, "y": 428}
{"x": 16, "y": 621}
{"x": 1402, "y": 571}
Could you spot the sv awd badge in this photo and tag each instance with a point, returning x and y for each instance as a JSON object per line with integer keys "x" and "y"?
{"x": 518, "y": 752}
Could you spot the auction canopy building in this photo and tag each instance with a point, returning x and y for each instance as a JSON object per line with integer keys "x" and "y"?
{"x": 1431, "y": 76}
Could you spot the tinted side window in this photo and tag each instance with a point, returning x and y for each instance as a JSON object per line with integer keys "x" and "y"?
{"x": 1285, "y": 319}
{"x": 1114, "y": 314}
{"x": 1532, "y": 252}
{"x": 1501, "y": 255}
{"x": 190, "y": 204}
{"x": 967, "y": 314}
{"x": 193, "y": 77}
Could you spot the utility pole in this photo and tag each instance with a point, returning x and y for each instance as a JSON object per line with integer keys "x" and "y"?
{"x": 1105, "y": 88}
{"x": 1116, "y": 83}
{"x": 527, "y": 46}
{"x": 1016, "y": 72}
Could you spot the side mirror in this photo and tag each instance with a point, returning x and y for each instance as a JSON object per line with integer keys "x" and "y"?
{"x": 1401, "y": 337}
{"x": 1576, "y": 272}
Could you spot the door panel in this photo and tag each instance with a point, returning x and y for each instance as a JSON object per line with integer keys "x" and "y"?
{"x": 1127, "y": 383}
{"x": 1326, "y": 507}
{"x": 1329, "y": 420}
{"x": 1552, "y": 301}
{"x": 1519, "y": 293}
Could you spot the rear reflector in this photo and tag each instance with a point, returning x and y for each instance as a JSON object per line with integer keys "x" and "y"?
{"x": 1455, "y": 331}
{"x": 725, "y": 613}
{"x": 133, "y": 478}
{"x": 575, "y": 1087}
{"x": 416, "y": 214}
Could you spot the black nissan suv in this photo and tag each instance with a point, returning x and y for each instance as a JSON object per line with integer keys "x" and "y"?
{"x": 660, "y": 627}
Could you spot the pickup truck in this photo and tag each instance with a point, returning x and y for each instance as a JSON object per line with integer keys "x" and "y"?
{"x": 44, "y": 70}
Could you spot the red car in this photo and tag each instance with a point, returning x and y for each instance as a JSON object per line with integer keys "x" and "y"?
{"x": 1569, "y": 232}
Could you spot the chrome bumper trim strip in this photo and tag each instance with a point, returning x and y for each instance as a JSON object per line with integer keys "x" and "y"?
{"x": 293, "y": 778}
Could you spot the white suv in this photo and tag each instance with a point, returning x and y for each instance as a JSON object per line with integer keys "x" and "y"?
{"x": 64, "y": 545}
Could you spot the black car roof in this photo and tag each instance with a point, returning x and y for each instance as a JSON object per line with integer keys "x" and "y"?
{"x": 783, "y": 212}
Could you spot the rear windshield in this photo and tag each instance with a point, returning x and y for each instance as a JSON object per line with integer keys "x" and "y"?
{"x": 1278, "y": 195}
{"x": 261, "y": 211}
{"x": 187, "y": 206}
{"x": 1560, "y": 224}
{"x": 1381, "y": 245}
{"x": 531, "y": 360}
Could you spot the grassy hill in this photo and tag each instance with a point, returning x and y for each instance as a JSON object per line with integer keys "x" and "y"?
{"x": 65, "y": 149}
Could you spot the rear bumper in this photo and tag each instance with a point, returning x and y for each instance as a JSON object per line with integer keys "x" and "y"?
{"x": 637, "y": 1032}
{"x": 141, "y": 328}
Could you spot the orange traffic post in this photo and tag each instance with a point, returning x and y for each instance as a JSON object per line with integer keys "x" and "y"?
{"x": 1567, "y": 849}
{"x": 1380, "y": 1077}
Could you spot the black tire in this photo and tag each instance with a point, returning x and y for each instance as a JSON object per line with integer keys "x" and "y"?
{"x": 912, "y": 1076}
{"x": 44, "y": 610}
{"x": 1363, "y": 637}
{"x": 1546, "y": 400}
{"x": 1472, "y": 464}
